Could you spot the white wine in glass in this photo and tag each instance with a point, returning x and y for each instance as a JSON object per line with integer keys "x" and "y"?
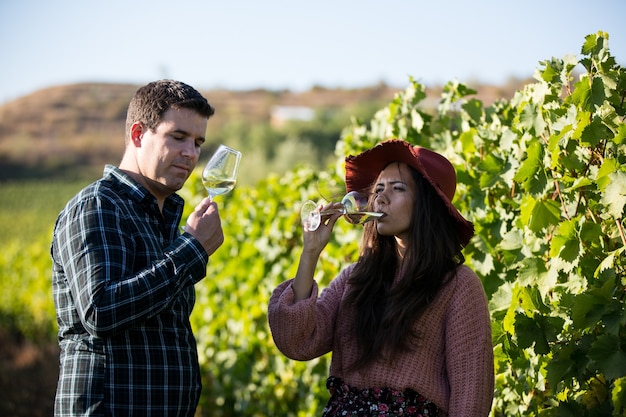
{"x": 353, "y": 207}
{"x": 220, "y": 173}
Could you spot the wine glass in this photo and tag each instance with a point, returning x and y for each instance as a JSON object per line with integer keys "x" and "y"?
{"x": 220, "y": 173}
{"x": 353, "y": 207}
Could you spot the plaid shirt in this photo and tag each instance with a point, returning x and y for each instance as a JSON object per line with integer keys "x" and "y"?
{"x": 123, "y": 285}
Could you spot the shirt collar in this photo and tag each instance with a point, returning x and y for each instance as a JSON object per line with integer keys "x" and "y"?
{"x": 137, "y": 191}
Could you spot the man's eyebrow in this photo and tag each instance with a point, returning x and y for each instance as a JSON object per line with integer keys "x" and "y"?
{"x": 185, "y": 133}
{"x": 180, "y": 132}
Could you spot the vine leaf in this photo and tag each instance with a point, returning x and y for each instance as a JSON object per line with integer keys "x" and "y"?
{"x": 562, "y": 365}
{"x": 566, "y": 243}
{"x": 615, "y": 194}
{"x": 594, "y": 132}
{"x": 620, "y": 137}
{"x": 531, "y": 119}
{"x": 529, "y": 333}
{"x": 531, "y": 173}
{"x": 539, "y": 214}
{"x": 609, "y": 261}
{"x": 609, "y": 356}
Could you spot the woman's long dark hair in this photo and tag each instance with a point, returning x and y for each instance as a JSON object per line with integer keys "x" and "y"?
{"x": 385, "y": 315}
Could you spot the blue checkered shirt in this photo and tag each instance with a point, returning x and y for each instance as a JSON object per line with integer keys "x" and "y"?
{"x": 123, "y": 285}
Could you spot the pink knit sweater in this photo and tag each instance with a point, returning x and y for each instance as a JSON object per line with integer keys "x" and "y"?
{"x": 452, "y": 365}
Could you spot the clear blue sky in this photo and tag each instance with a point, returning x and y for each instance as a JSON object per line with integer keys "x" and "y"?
{"x": 246, "y": 44}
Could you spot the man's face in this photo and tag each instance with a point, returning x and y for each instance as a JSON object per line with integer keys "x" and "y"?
{"x": 167, "y": 156}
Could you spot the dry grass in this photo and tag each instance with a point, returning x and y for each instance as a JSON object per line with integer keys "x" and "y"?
{"x": 61, "y": 129}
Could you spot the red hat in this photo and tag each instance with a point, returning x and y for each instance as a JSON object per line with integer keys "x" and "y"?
{"x": 362, "y": 170}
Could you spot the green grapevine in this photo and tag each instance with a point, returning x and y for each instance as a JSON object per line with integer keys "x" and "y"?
{"x": 543, "y": 178}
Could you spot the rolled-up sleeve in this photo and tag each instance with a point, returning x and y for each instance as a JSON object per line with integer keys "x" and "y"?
{"x": 304, "y": 330}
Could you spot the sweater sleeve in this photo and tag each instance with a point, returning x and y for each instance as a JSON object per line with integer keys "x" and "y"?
{"x": 304, "y": 330}
{"x": 469, "y": 349}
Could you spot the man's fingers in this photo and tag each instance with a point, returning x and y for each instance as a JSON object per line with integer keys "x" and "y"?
{"x": 203, "y": 206}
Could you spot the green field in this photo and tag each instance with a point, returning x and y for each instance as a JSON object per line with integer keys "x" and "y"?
{"x": 28, "y": 209}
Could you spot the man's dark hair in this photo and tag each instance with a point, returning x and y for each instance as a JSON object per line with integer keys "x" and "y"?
{"x": 151, "y": 101}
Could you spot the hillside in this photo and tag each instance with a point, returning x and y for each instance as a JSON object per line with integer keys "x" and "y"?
{"x": 72, "y": 130}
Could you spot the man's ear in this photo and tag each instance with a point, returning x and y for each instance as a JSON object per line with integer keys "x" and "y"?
{"x": 136, "y": 133}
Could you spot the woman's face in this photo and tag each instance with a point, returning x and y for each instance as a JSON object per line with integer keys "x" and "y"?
{"x": 395, "y": 196}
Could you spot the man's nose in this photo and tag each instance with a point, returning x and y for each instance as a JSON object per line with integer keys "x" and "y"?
{"x": 189, "y": 150}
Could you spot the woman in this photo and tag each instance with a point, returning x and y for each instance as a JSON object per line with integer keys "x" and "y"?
{"x": 407, "y": 324}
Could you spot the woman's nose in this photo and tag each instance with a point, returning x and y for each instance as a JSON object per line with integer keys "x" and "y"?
{"x": 380, "y": 198}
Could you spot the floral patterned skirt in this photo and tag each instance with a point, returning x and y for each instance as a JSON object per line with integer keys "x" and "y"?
{"x": 381, "y": 402}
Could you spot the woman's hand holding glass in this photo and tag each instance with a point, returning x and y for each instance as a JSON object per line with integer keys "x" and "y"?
{"x": 353, "y": 206}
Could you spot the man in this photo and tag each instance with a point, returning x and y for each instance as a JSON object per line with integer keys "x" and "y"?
{"x": 124, "y": 275}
